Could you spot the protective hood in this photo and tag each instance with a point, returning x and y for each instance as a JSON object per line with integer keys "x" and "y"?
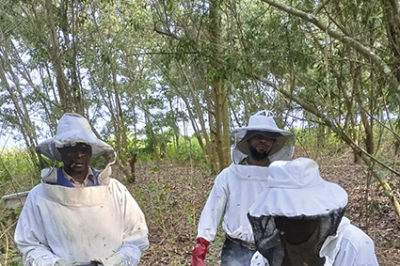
{"x": 302, "y": 194}
{"x": 76, "y": 197}
{"x": 262, "y": 123}
{"x": 300, "y": 191}
{"x": 71, "y": 129}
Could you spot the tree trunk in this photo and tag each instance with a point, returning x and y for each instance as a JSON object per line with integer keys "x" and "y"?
{"x": 213, "y": 156}
{"x": 175, "y": 127}
{"x": 219, "y": 88}
{"x": 149, "y": 131}
{"x": 23, "y": 122}
{"x": 67, "y": 103}
{"x": 199, "y": 111}
{"x": 120, "y": 129}
{"x": 369, "y": 137}
{"x": 194, "y": 124}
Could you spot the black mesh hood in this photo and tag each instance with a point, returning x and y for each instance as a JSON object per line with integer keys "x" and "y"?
{"x": 268, "y": 238}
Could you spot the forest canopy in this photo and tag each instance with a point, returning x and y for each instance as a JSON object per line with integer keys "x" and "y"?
{"x": 205, "y": 66}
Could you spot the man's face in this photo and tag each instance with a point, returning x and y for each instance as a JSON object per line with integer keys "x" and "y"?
{"x": 76, "y": 158}
{"x": 294, "y": 230}
{"x": 260, "y": 146}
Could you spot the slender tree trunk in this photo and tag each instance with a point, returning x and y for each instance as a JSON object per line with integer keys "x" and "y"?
{"x": 194, "y": 124}
{"x": 211, "y": 125}
{"x": 24, "y": 122}
{"x": 175, "y": 125}
{"x": 397, "y": 142}
{"x": 369, "y": 137}
{"x": 219, "y": 88}
{"x": 67, "y": 103}
{"x": 120, "y": 129}
{"x": 198, "y": 109}
{"x": 392, "y": 16}
{"x": 149, "y": 129}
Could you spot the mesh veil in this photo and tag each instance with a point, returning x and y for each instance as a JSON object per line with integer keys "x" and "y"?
{"x": 268, "y": 238}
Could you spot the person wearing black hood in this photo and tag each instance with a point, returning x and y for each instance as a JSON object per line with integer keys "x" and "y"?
{"x": 298, "y": 220}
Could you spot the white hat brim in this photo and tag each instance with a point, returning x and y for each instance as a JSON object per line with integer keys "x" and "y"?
{"x": 241, "y": 132}
{"x": 49, "y": 148}
{"x": 292, "y": 202}
{"x": 72, "y": 129}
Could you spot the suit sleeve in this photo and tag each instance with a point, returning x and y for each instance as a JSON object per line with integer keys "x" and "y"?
{"x": 361, "y": 253}
{"x": 135, "y": 239}
{"x": 30, "y": 236}
{"x": 214, "y": 208}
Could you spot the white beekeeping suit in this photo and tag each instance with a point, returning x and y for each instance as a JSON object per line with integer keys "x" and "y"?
{"x": 238, "y": 186}
{"x": 61, "y": 225}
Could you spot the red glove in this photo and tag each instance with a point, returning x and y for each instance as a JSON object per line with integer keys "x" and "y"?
{"x": 199, "y": 252}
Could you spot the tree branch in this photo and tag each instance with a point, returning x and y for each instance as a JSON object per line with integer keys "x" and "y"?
{"x": 366, "y": 157}
{"x": 166, "y": 33}
{"x": 362, "y": 49}
{"x": 327, "y": 122}
{"x": 320, "y": 7}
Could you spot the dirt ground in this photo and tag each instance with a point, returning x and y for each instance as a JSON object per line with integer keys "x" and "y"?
{"x": 172, "y": 198}
{"x": 368, "y": 207}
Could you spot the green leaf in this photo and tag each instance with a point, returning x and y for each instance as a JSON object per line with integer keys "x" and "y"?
{"x": 382, "y": 174}
{"x": 374, "y": 206}
{"x": 373, "y": 181}
{"x": 387, "y": 192}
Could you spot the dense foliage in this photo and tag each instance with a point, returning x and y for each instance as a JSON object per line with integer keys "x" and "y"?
{"x": 149, "y": 74}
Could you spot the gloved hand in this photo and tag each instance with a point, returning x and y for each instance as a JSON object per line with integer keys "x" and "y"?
{"x": 111, "y": 261}
{"x": 199, "y": 252}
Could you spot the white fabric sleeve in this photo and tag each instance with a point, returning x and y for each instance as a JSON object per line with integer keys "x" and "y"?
{"x": 214, "y": 209}
{"x": 30, "y": 237}
{"x": 361, "y": 253}
{"x": 135, "y": 231}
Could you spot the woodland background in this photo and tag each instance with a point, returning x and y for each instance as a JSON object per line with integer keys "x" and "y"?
{"x": 149, "y": 73}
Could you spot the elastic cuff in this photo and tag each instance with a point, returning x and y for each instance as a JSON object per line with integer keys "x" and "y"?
{"x": 201, "y": 240}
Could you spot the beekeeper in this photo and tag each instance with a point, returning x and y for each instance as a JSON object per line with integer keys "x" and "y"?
{"x": 237, "y": 187}
{"x": 77, "y": 215}
{"x": 298, "y": 220}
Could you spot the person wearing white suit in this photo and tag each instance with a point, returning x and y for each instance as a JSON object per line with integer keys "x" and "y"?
{"x": 77, "y": 215}
{"x": 237, "y": 187}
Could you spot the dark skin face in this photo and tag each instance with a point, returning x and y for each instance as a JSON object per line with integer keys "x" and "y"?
{"x": 76, "y": 160}
{"x": 296, "y": 231}
{"x": 262, "y": 145}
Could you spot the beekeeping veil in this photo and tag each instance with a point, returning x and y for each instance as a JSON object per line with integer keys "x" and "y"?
{"x": 262, "y": 123}
{"x": 295, "y": 190}
{"x": 72, "y": 129}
